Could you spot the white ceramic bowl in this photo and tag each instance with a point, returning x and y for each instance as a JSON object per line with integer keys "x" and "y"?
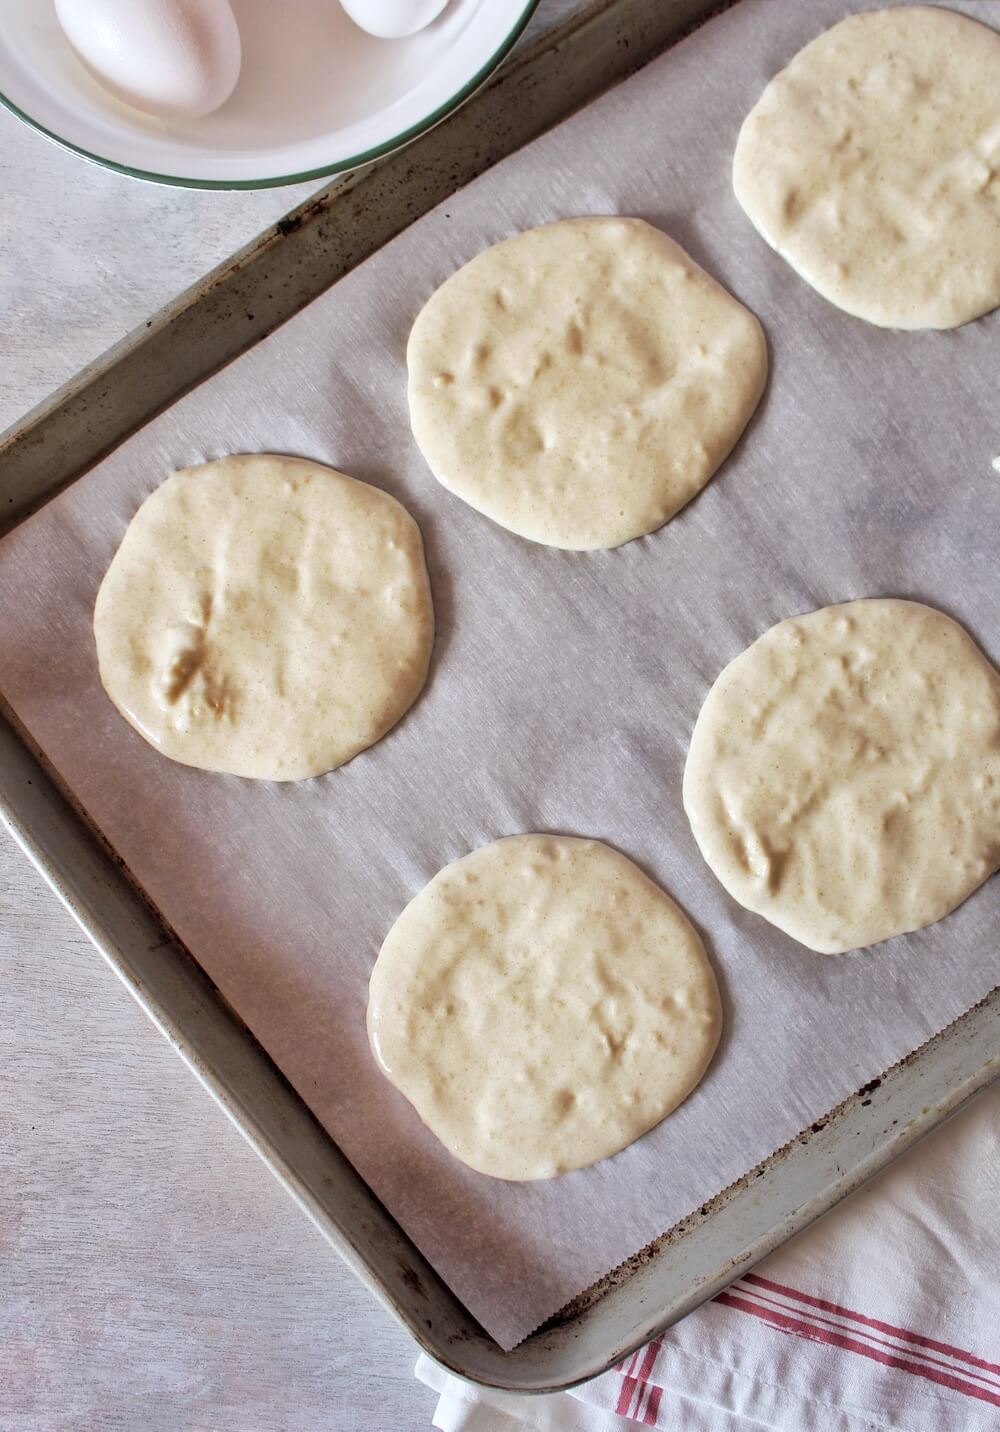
{"x": 316, "y": 95}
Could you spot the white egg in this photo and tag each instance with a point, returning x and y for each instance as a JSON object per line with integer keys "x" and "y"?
{"x": 392, "y": 19}
{"x": 165, "y": 57}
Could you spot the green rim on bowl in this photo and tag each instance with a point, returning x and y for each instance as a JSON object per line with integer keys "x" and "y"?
{"x": 354, "y": 161}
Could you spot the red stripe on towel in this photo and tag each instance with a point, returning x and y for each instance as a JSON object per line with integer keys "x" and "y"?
{"x": 918, "y": 1338}
{"x": 813, "y": 1332}
{"x": 785, "y": 1303}
{"x": 649, "y": 1357}
{"x": 625, "y": 1395}
{"x": 634, "y": 1381}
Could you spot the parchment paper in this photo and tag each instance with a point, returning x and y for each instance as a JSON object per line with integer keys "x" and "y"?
{"x": 564, "y": 686}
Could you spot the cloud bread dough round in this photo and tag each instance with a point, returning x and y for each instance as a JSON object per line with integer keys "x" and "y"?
{"x": 843, "y": 779}
{"x": 542, "y": 1004}
{"x": 872, "y": 164}
{"x": 265, "y": 616}
{"x": 580, "y": 382}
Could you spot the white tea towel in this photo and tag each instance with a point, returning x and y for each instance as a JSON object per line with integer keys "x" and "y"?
{"x": 886, "y": 1314}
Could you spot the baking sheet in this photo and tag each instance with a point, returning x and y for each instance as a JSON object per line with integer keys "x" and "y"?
{"x": 564, "y": 686}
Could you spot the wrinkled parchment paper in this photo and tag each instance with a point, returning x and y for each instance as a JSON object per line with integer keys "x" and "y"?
{"x": 563, "y": 687}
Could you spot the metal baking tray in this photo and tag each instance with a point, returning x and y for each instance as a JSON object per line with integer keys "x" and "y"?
{"x": 558, "y": 70}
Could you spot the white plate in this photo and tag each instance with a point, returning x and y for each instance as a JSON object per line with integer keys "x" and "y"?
{"x": 316, "y": 94}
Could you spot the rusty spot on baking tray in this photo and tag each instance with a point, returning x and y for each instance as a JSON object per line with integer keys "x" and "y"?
{"x": 411, "y": 1279}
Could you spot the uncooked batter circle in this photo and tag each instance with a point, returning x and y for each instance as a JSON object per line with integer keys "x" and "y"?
{"x": 580, "y": 382}
{"x": 843, "y": 778}
{"x": 872, "y": 164}
{"x": 265, "y": 616}
{"x": 542, "y": 1004}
